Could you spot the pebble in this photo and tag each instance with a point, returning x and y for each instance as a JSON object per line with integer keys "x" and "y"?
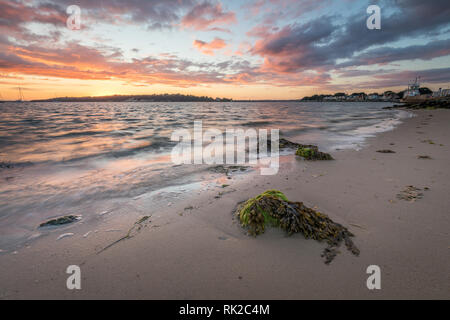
{"x": 86, "y": 234}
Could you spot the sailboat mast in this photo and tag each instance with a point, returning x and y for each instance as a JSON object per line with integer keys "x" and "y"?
{"x": 20, "y": 94}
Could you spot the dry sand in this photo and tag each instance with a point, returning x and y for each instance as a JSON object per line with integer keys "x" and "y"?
{"x": 202, "y": 253}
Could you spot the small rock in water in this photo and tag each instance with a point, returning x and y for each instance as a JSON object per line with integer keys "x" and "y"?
{"x": 6, "y": 165}
{"x": 385, "y": 151}
{"x": 64, "y": 235}
{"x": 60, "y": 221}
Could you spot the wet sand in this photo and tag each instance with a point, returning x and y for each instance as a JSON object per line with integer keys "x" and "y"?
{"x": 192, "y": 248}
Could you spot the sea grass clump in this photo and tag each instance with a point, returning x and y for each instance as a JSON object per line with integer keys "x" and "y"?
{"x": 60, "y": 221}
{"x": 410, "y": 193}
{"x": 385, "y": 151}
{"x": 274, "y": 209}
{"x": 307, "y": 151}
{"x": 311, "y": 152}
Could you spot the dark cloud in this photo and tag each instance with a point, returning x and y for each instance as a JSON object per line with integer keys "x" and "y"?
{"x": 437, "y": 75}
{"x": 206, "y": 16}
{"x": 389, "y": 54}
{"x": 320, "y": 43}
{"x": 155, "y": 14}
{"x": 399, "y": 78}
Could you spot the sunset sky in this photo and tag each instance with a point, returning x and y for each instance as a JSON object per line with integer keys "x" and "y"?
{"x": 256, "y": 49}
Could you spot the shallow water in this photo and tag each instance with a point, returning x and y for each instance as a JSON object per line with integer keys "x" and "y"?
{"x": 67, "y": 157}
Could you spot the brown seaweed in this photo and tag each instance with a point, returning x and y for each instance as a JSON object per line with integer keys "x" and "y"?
{"x": 385, "y": 151}
{"x": 60, "y": 221}
{"x": 274, "y": 209}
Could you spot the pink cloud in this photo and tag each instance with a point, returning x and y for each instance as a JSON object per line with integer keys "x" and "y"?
{"x": 259, "y": 31}
{"x": 209, "y": 48}
{"x": 207, "y": 16}
{"x": 244, "y": 48}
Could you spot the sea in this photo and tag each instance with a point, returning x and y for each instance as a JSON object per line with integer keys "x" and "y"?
{"x": 65, "y": 158}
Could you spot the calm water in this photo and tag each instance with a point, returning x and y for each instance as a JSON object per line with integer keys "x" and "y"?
{"x": 70, "y": 154}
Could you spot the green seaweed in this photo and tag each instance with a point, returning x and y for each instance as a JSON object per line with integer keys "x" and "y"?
{"x": 251, "y": 207}
{"x": 272, "y": 208}
{"x": 304, "y": 152}
{"x": 312, "y": 153}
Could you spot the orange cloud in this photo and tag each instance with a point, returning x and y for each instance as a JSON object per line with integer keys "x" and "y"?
{"x": 208, "y": 48}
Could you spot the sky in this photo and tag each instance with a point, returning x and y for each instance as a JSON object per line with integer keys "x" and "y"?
{"x": 256, "y": 49}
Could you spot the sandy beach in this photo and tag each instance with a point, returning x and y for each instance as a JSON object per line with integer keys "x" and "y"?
{"x": 193, "y": 248}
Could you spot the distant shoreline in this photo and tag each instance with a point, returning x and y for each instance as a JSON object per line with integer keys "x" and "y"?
{"x": 112, "y": 99}
{"x": 191, "y": 98}
{"x": 211, "y": 101}
{"x": 138, "y": 98}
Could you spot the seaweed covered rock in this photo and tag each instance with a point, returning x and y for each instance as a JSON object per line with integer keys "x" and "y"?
{"x": 6, "y": 165}
{"x": 60, "y": 221}
{"x": 307, "y": 151}
{"x": 272, "y": 208}
{"x": 228, "y": 170}
{"x": 429, "y": 104}
{"x": 283, "y": 143}
{"x": 310, "y": 152}
{"x": 385, "y": 151}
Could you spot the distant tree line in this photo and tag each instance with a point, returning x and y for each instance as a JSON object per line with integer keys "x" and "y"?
{"x": 139, "y": 98}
